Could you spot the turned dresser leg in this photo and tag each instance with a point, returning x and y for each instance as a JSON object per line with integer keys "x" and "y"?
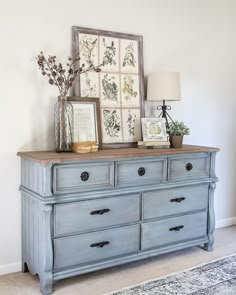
{"x": 209, "y": 246}
{"x": 211, "y": 219}
{"x": 46, "y": 277}
{"x": 46, "y": 283}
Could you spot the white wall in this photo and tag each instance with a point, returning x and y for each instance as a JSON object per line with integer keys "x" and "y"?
{"x": 195, "y": 37}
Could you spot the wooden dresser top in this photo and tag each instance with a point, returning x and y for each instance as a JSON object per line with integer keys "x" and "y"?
{"x": 53, "y": 157}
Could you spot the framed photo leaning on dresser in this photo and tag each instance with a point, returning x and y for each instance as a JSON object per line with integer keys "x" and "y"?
{"x": 119, "y": 85}
{"x": 87, "y": 121}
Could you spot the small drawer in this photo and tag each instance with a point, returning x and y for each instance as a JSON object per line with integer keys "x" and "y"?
{"x": 88, "y": 215}
{"x": 173, "y": 230}
{"x": 162, "y": 203}
{"x": 80, "y": 177}
{"x": 141, "y": 171}
{"x": 188, "y": 167}
{"x": 91, "y": 247}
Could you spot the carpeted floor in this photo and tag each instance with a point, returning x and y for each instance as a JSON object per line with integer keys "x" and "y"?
{"x": 213, "y": 278}
{"x": 108, "y": 280}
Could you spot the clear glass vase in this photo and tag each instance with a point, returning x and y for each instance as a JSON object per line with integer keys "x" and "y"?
{"x": 63, "y": 120}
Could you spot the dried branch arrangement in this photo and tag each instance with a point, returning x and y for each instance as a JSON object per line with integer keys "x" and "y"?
{"x": 63, "y": 78}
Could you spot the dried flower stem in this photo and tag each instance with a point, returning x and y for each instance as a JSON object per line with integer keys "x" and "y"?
{"x": 57, "y": 74}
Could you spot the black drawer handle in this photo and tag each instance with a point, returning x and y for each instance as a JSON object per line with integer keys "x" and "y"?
{"x": 189, "y": 166}
{"x": 177, "y": 200}
{"x": 176, "y": 228}
{"x": 100, "y": 212}
{"x": 141, "y": 171}
{"x": 100, "y": 245}
{"x": 84, "y": 176}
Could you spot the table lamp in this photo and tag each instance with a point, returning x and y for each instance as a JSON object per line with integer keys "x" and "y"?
{"x": 163, "y": 86}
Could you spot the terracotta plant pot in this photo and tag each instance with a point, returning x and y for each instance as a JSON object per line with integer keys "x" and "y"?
{"x": 176, "y": 141}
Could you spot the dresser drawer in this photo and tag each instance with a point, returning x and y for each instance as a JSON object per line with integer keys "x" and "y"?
{"x": 141, "y": 171}
{"x": 173, "y": 230}
{"x": 188, "y": 167}
{"x": 88, "y": 215}
{"x": 174, "y": 201}
{"x": 95, "y": 246}
{"x": 80, "y": 177}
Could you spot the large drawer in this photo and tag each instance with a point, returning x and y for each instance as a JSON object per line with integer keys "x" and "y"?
{"x": 95, "y": 246}
{"x": 173, "y": 230}
{"x": 188, "y": 167}
{"x": 88, "y": 215}
{"x": 80, "y": 177}
{"x": 162, "y": 203}
{"x": 141, "y": 171}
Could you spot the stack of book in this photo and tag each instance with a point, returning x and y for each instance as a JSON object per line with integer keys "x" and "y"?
{"x": 154, "y": 144}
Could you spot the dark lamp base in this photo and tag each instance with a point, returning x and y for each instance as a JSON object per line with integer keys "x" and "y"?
{"x": 164, "y": 114}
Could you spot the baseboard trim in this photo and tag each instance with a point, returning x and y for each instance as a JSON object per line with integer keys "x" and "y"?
{"x": 10, "y": 268}
{"x": 225, "y": 222}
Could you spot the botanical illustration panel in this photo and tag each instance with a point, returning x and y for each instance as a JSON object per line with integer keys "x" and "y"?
{"x": 89, "y": 83}
{"x": 130, "y": 91}
{"x": 129, "y": 56}
{"x": 110, "y": 90}
{"x": 111, "y": 125}
{"x": 131, "y": 124}
{"x": 88, "y": 48}
{"x": 109, "y": 54}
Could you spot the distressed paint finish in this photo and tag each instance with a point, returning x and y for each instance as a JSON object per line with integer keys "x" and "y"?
{"x": 165, "y": 231}
{"x": 211, "y": 219}
{"x": 211, "y": 212}
{"x": 200, "y": 167}
{"x": 175, "y": 201}
{"x": 37, "y": 252}
{"x": 67, "y": 178}
{"x": 95, "y": 214}
{"x": 119, "y": 241}
{"x": 127, "y": 172}
{"x": 134, "y": 216}
{"x": 36, "y": 177}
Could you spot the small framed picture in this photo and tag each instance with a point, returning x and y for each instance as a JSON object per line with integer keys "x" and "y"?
{"x": 87, "y": 122}
{"x": 154, "y": 129}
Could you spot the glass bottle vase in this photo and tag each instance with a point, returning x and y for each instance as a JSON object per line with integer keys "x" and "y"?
{"x": 63, "y": 121}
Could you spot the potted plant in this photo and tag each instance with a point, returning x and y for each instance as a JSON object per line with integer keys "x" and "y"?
{"x": 176, "y": 131}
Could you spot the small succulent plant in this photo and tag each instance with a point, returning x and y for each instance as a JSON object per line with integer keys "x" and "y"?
{"x": 177, "y": 128}
{"x": 57, "y": 75}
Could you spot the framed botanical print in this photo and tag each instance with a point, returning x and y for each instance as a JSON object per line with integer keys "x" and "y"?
{"x": 119, "y": 85}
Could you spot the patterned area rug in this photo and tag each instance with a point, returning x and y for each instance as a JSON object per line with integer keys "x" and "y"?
{"x": 214, "y": 278}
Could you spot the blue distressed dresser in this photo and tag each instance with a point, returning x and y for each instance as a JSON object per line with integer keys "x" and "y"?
{"x": 85, "y": 212}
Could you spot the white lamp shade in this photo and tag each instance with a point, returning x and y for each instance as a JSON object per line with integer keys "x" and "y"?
{"x": 163, "y": 86}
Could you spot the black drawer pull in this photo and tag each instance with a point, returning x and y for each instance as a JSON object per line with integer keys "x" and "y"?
{"x": 100, "y": 245}
{"x": 141, "y": 171}
{"x": 100, "y": 212}
{"x": 176, "y": 228}
{"x": 177, "y": 200}
{"x": 84, "y": 176}
{"x": 189, "y": 166}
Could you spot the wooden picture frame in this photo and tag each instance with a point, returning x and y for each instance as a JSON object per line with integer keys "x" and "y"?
{"x": 86, "y": 128}
{"x": 119, "y": 85}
